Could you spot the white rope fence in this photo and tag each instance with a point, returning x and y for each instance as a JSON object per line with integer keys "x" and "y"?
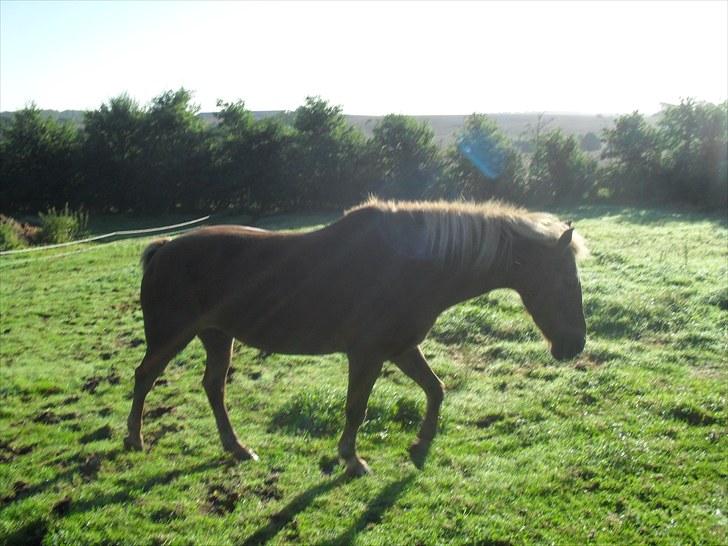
{"x": 12, "y": 262}
{"x": 107, "y": 236}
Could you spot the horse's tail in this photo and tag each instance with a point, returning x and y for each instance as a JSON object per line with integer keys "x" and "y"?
{"x": 149, "y": 252}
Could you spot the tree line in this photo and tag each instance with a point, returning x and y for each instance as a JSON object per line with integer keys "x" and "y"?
{"x": 162, "y": 157}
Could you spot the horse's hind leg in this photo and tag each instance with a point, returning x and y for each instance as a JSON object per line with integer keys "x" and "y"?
{"x": 413, "y": 363}
{"x": 154, "y": 362}
{"x": 219, "y": 347}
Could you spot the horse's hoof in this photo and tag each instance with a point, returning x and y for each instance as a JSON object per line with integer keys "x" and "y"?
{"x": 418, "y": 454}
{"x": 356, "y": 468}
{"x": 131, "y": 444}
{"x": 242, "y": 453}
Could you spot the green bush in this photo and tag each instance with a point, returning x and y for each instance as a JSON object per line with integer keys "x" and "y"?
{"x": 9, "y": 238}
{"x": 62, "y": 226}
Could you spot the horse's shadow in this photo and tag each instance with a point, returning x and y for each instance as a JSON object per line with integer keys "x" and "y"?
{"x": 74, "y": 467}
{"x": 276, "y": 522}
{"x": 373, "y": 514}
{"x": 285, "y": 515}
{"x": 130, "y": 489}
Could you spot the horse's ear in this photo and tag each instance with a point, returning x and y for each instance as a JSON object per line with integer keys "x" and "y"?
{"x": 568, "y": 223}
{"x": 565, "y": 239}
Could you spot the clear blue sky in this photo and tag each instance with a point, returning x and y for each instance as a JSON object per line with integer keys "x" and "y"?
{"x": 370, "y": 57}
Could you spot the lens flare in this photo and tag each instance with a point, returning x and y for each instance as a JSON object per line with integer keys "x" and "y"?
{"x": 485, "y": 154}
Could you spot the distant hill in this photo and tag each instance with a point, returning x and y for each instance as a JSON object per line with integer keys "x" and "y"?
{"x": 445, "y": 127}
{"x": 71, "y": 116}
{"x": 513, "y": 125}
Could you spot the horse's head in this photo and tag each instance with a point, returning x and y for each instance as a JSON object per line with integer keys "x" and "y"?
{"x": 547, "y": 279}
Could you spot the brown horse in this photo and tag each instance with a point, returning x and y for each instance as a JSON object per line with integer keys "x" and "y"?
{"x": 370, "y": 285}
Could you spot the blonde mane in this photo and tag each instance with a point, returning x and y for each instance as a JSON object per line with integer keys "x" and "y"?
{"x": 466, "y": 233}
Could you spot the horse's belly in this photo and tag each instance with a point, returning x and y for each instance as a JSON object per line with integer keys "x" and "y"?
{"x": 323, "y": 321}
{"x": 286, "y": 329}
{"x": 292, "y": 340}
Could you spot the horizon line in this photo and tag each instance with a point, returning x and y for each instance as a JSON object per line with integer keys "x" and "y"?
{"x": 492, "y": 113}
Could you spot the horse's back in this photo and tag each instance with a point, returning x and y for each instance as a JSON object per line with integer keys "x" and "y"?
{"x": 314, "y": 292}
{"x": 190, "y": 273}
{"x": 269, "y": 289}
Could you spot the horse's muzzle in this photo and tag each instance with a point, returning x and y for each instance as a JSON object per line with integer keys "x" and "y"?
{"x": 567, "y": 347}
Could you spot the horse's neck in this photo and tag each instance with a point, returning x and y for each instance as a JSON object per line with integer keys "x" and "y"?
{"x": 466, "y": 284}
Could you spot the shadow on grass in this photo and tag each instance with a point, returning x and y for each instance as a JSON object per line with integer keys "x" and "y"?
{"x": 286, "y": 514}
{"x": 130, "y": 491}
{"x": 79, "y": 468}
{"x": 34, "y": 531}
{"x": 374, "y": 512}
{"x": 29, "y": 534}
{"x": 134, "y": 489}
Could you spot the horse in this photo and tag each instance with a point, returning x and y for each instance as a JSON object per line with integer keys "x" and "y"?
{"x": 369, "y": 285}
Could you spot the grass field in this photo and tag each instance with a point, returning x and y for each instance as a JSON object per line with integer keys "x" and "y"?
{"x": 626, "y": 444}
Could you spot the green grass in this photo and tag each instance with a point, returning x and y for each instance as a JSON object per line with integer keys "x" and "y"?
{"x": 624, "y": 445}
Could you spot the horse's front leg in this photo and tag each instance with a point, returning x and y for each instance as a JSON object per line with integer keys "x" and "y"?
{"x": 363, "y": 372}
{"x": 413, "y": 363}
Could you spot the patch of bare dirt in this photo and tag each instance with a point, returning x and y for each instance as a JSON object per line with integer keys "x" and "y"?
{"x": 221, "y": 500}
{"x": 696, "y": 417}
{"x": 62, "y": 507}
{"x": 127, "y": 306}
{"x": 90, "y": 467}
{"x": 49, "y": 417}
{"x": 92, "y": 383}
{"x": 128, "y": 340}
{"x": 154, "y": 436}
{"x": 489, "y": 419}
{"x": 101, "y": 433}
{"x": 20, "y": 490}
{"x": 8, "y": 452}
{"x": 157, "y": 412}
{"x": 269, "y": 489}
{"x": 164, "y": 515}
